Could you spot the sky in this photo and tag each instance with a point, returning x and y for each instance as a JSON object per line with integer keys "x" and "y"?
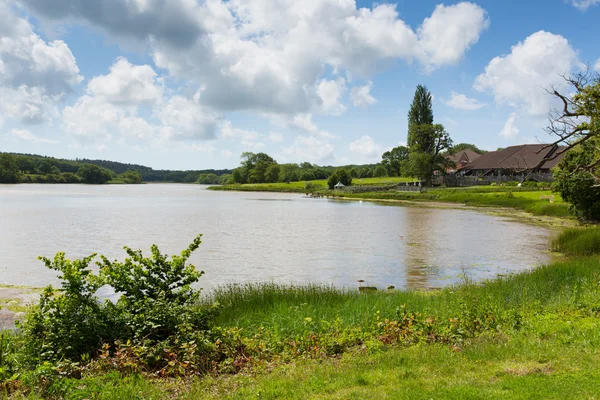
{"x": 191, "y": 84}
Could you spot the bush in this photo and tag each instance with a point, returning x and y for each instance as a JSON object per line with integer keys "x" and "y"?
{"x": 157, "y": 318}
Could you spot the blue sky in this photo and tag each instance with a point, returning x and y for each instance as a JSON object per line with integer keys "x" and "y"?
{"x": 191, "y": 84}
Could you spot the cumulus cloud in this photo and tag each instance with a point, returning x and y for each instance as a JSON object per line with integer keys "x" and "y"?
{"x": 330, "y": 93}
{"x": 310, "y": 148}
{"x": 24, "y": 134}
{"x": 275, "y": 137}
{"x": 597, "y": 65}
{"x": 510, "y": 130}
{"x": 583, "y": 5}
{"x": 248, "y": 139}
{"x": 461, "y": 102}
{"x": 366, "y": 147}
{"x": 521, "y": 78}
{"x": 127, "y": 84}
{"x": 34, "y": 75}
{"x": 174, "y": 21}
{"x": 361, "y": 96}
{"x": 183, "y": 118}
{"x": 269, "y": 56}
{"x": 304, "y": 123}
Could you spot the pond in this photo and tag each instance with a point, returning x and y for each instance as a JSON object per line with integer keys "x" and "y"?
{"x": 257, "y": 237}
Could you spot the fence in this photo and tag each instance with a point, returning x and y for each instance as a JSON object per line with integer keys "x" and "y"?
{"x": 462, "y": 181}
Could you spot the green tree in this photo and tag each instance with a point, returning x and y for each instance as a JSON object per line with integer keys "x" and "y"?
{"x": 426, "y": 153}
{"x": 9, "y": 170}
{"x": 93, "y": 174}
{"x": 353, "y": 173}
{"x": 340, "y": 175}
{"x": 465, "y": 146}
{"x": 208, "y": 179}
{"x": 26, "y": 164}
{"x": 395, "y": 161}
{"x": 272, "y": 173}
{"x": 45, "y": 168}
{"x": 366, "y": 172}
{"x": 380, "y": 172}
{"x": 420, "y": 113}
{"x": 131, "y": 177}
{"x": 580, "y": 187}
{"x": 240, "y": 175}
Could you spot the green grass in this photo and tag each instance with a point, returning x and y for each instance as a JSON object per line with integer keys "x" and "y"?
{"x": 578, "y": 242}
{"x": 535, "y": 202}
{"x": 298, "y": 187}
{"x": 549, "y": 351}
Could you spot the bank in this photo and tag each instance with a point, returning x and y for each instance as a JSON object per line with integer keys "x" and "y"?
{"x": 530, "y": 335}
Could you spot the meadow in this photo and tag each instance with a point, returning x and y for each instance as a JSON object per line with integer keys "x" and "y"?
{"x": 530, "y": 335}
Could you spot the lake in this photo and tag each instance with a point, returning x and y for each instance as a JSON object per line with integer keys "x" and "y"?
{"x": 253, "y": 237}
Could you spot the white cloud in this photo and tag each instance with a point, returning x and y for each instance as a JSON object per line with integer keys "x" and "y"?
{"x": 127, "y": 84}
{"x": 366, "y": 147}
{"x": 269, "y": 56}
{"x": 34, "y": 75}
{"x": 510, "y": 130}
{"x": 361, "y": 95}
{"x": 522, "y": 77}
{"x": 305, "y": 124}
{"x": 112, "y": 107}
{"x": 227, "y": 153}
{"x": 461, "y": 102}
{"x": 24, "y": 134}
{"x": 183, "y": 118}
{"x": 330, "y": 92}
{"x": 275, "y": 137}
{"x": 583, "y": 5}
{"x": 450, "y": 31}
{"x": 597, "y": 65}
{"x": 310, "y": 148}
{"x": 248, "y": 139}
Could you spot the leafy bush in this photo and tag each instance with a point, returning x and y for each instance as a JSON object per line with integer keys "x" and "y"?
{"x": 157, "y": 318}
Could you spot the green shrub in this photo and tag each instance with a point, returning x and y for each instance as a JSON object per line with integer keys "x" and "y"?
{"x": 578, "y": 242}
{"x": 156, "y": 324}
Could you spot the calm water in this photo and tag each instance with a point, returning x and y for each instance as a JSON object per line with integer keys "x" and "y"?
{"x": 260, "y": 236}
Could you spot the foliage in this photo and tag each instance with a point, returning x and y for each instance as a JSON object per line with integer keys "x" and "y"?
{"x": 580, "y": 187}
{"x": 426, "y": 152}
{"x": 156, "y": 324}
{"x": 69, "y": 322}
{"x": 340, "y": 175}
{"x": 156, "y": 292}
{"x": 93, "y": 174}
{"x": 380, "y": 172}
{"x": 208, "y": 179}
{"x": 9, "y": 170}
{"x": 131, "y": 177}
{"x": 396, "y": 161}
{"x": 420, "y": 113}
{"x": 465, "y": 146}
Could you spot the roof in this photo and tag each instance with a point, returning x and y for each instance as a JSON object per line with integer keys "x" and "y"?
{"x": 467, "y": 154}
{"x": 339, "y": 184}
{"x": 519, "y": 157}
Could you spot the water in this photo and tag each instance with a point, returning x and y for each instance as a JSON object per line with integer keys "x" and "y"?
{"x": 251, "y": 237}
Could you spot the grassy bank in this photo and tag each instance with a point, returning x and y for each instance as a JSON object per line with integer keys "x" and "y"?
{"x": 536, "y": 202}
{"x": 529, "y": 335}
{"x": 299, "y": 187}
{"x": 532, "y": 335}
{"x": 532, "y": 200}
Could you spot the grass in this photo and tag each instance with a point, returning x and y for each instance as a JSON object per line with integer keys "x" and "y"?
{"x": 541, "y": 342}
{"x": 298, "y": 187}
{"x": 578, "y": 242}
{"x": 533, "y": 200}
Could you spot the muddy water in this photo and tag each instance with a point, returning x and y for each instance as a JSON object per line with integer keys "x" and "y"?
{"x": 250, "y": 237}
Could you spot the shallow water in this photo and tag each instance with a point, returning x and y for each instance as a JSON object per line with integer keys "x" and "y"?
{"x": 251, "y": 237}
